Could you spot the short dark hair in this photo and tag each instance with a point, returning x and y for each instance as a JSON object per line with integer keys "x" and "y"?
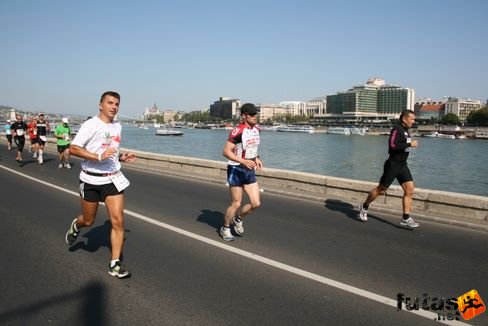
{"x": 405, "y": 113}
{"x": 110, "y": 93}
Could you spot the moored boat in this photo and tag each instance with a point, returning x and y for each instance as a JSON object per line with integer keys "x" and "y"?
{"x": 302, "y": 129}
{"x": 339, "y": 131}
{"x": 357, "y": 131}
{"x": 446, "y": 136}
{"x": 168, "y": 132}
{"x": 481, "y": 134}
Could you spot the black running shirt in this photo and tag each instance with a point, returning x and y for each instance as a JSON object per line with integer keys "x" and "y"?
{"x": 399, "y": 143}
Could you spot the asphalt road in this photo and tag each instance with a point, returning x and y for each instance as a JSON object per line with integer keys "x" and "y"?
{"x": 299, "y": 263}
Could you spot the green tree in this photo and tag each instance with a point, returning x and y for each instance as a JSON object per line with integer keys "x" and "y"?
{"x": 478, "y": 117}
{"x": 197, "y": 116}
{"x": 450, "y": 119}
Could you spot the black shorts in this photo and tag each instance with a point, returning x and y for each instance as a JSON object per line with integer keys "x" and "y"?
{"x": 97, "y": 193}
{"x": 62, "y": 148}
{"x": 9, "y": 138}
{"x": 34, "y": 140}
{"x": 395, "y": 170}
{"x": 40, "y": 141}
{"x": 20, "y": 142}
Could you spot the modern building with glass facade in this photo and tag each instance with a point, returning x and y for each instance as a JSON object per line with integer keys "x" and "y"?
{"x": 373, "y": 101}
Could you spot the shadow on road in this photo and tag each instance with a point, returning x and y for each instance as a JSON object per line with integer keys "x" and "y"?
{"x": 352, "y": 212}
{"x": 212, "y": 218}
{"x": 96, "y": 238}
{"x": 91, "y": 302}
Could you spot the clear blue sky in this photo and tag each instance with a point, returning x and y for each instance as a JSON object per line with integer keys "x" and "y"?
{"x": 59, "y": 56}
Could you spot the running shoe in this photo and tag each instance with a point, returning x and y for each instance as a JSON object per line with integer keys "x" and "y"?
{"x": 409, "y": 223}
{"x": 72, "y": 233}
{"x": 35, "y": 155}
{"x": 118, "y": 270}
{"x": 21, "y": 163}
{"x": 40, "y": 159}
{"x": 68, "y": 166}
{"x": 226, "y": 234}
{"x": 238, "y": 228}
{"x": 60, "y": 166}
{"x": 363, "y": 213}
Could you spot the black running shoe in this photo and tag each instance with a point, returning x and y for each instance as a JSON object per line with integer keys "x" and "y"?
{"x": 72, "y": 233}
{"x": 118, "y": 270}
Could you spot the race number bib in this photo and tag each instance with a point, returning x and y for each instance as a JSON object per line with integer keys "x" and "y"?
{"x": 120, "y": 181}
{"x": 251, "y": 152}
{"x": 43, "y": 138}
{"x": 20, "y": 132}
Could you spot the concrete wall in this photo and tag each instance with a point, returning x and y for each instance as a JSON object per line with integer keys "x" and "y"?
{"x": 431, "y": 203}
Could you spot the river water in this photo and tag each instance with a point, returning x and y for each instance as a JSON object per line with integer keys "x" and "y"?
{"x": 453, "y": 165}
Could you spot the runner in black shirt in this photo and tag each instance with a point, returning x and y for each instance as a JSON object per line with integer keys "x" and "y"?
{"x": 19, "y": 128}
{"x": 396, "y": 167}
{"x": 42, "y": 129}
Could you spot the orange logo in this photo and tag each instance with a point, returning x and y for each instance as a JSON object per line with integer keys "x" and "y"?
{"x": 470, "y": 305}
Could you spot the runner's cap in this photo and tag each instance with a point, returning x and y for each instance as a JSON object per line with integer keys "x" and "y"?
{"x": 249, "y": 108}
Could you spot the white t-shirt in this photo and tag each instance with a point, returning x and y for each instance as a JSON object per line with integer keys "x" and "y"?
{"x": 247, "y": 142}
{"x": 96, "y": 136}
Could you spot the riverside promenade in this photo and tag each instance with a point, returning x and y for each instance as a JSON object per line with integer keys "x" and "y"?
{"x": 305, "y": 258}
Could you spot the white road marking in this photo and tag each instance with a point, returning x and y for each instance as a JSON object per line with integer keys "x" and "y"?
{"x": 288, "y": 268}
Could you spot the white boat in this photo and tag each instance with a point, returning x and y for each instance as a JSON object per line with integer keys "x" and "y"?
{"x": 168, "y": 132}
{"x": 339, "y": 131}
{"x": 302, "y": 129}
{"x": 431, "y": 135}
{"x": 357, "y": 131}
{"x": 446, "y": 136}
{"x": 268, "y": 128}
{"x": 483, "y": 134}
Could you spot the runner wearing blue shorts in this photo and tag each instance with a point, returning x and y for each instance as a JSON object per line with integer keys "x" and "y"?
{"x": 241, "y": 149}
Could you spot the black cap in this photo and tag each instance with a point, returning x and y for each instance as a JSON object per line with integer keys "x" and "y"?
{"x": 249, "y": 108}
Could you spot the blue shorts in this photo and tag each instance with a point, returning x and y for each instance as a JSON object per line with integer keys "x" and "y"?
{"x": 239, "y": 175}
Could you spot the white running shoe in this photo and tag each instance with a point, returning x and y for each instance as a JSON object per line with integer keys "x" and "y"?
{"x": 40, "y": 159}
{"x": 363, "y": 213}
{"x": 60, "y": 166}
{"x": 409, "y": 223}
{"x": 238, "y": 227}
{"x": 226, "y": 234}
{"x": 35, "y": 155}
{"x": 68, "y": 166}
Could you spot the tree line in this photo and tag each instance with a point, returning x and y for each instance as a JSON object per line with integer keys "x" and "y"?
{"x": 474, "y": 118}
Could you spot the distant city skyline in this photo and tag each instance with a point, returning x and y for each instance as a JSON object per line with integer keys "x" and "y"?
{"x": 60, "y": 56}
